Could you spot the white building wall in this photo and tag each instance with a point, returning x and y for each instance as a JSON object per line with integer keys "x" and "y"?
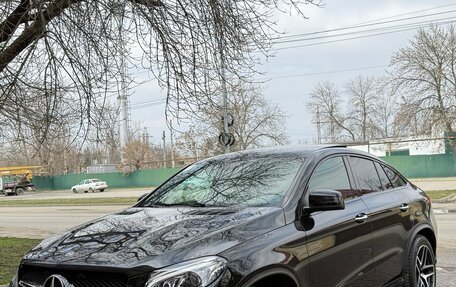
{"x": 415, "y": 145}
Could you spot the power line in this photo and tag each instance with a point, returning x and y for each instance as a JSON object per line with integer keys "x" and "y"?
{"x": 149, "y": 103}
{"x": 409, "y": 13}
{"x": 396, "y": 27}
{"x": 359, "y": 37}
{"x": 361, "y": 25}
{"x": 330, "y": 72}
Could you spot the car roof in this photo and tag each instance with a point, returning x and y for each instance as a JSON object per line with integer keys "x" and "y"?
{"x": 299, "y": 151}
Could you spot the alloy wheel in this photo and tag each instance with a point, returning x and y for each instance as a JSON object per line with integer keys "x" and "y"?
{"x": 425, "y": 267}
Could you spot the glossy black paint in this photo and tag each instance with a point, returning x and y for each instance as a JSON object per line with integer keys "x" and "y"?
{"x": 364, "y": 244}
{"x": 157, "y": 237}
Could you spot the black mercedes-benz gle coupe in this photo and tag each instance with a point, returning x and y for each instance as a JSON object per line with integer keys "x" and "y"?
{"x": 313, "y": 216}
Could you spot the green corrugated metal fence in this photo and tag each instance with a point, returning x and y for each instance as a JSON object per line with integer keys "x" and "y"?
{"x": 421, "y": 166}
{"x": 138, "y": 178}
{"x": 414, "y": 166}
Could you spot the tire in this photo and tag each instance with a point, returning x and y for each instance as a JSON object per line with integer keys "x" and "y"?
{"x": 75, "y": 190}
{"x": 420, "y": 269}
{"x": 19, "y": 191}
{"x": 101, "y": 190}
{"x": 85, "y": 191}
{"x": 91, "y": 190}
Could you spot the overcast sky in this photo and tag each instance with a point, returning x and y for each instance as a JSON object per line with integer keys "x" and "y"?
{"x": 298, "y": 66}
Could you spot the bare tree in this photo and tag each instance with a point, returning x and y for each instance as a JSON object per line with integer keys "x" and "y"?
{"x": 411, "y": 121}
{"x": 199, "y": 142}
{"x": 25, "y": 141}
{"x": 70, "y": 55}
{"x": 425, "y": 72}
{"x": 362, "y": 100}
{"x": 386, "y": 107}
{"x": 325, "y": 106}
{"x": 256, "y": 123}
{"x": 136, "y": 155}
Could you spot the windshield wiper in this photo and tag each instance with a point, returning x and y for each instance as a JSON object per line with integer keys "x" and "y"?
{"x": 191, "y": 203}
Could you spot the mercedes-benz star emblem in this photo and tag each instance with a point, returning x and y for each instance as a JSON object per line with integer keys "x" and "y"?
{"x": 56, "y": 281}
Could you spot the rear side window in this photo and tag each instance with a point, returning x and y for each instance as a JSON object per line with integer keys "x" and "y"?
{"x": 386, "y": 184}
{"x": 331, "y": 174}
{"x": 366, "y": 175}
{"x": 396, "y": 179}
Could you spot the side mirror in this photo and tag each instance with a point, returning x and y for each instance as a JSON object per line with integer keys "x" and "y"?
{"x": 142, "y": 196}
{"x": 323, "y": 200}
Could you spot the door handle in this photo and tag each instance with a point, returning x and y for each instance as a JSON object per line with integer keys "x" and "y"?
{"x": 404, "y": 207}
{"x": 360, "y": 218}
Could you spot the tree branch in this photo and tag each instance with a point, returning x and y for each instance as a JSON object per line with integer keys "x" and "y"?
{"x": 33, "y": 32}
{"x": 10, "y": 24}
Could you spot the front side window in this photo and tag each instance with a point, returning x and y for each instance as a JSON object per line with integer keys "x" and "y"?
{"x": 331, "y": 174}
{"x": 366, "y": 175}
{"x": 222, "y": 182}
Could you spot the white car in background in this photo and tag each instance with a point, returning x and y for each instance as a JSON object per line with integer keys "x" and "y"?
{"x": 90, "y": 185}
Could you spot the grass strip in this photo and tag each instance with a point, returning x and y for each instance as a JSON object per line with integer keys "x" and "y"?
{"x": 439, "y": 194}
{"x": 71, "y": 201}
{"x": 11, "y": 251}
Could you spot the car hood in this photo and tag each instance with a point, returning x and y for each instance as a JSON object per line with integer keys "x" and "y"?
{"x": 156, "y": 237}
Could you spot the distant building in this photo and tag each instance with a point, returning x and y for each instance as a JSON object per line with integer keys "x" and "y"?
{"x": 102, "y": 168}
{"x": 416, "y": 145}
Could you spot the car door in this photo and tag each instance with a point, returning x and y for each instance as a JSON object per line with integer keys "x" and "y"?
{"x": 340, "y": 242}
{"x": 389, "y": 217}
{"x": 85, "y": 185}
{"x": 80, "y": 186}
{"x": 90, "y": 184}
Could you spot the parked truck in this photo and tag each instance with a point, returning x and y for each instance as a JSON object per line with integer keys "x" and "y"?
{"x": 15, "y": 186}
{"x": 17, "y": 179}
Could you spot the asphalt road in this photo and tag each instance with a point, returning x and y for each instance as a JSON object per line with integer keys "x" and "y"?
{"x": 39, "y": 222}
{"x": 42, "y": 221}
{"x": 67, "y": 194}
{"x": 446, "y": 246}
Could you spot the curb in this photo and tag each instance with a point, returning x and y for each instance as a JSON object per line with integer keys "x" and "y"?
{"x": 443, "y": 211}
{"x": 448, "y": 199}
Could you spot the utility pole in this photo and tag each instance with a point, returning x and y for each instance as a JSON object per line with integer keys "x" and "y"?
{"x": 164, "y": 149}
{"x": 122, "y": 98}
{"x": 173, "y": 164}
{"x": 123, "y": 119}
{"x": 225, "y": 99}
{"x": 145, "y": 136}
{"x": 318, "y": 125}
{"x": 224, "y": 90}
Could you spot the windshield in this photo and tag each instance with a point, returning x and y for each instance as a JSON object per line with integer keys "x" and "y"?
{"x": 223, "y": 182}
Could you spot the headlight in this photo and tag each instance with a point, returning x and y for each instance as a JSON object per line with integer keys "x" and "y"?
{"x": 201, "y": 272}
